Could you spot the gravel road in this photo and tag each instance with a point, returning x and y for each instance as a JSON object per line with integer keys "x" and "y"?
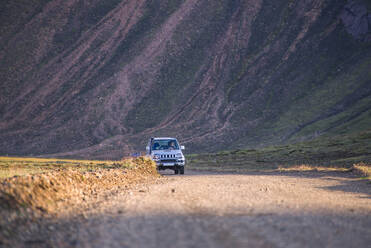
{"x": 225, "y": 210}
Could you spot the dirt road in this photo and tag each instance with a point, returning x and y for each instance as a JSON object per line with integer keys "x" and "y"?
{"x": 225, "y": 210}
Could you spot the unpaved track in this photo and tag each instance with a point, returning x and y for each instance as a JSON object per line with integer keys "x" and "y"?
{"x": 226, "y": 210}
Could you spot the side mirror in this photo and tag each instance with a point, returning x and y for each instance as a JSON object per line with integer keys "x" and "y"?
{"x": 182, "y": 147}
{"x": 147, "y": 148}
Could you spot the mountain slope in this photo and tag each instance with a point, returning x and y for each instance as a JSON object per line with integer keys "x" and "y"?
{"x": 96, "y": 79}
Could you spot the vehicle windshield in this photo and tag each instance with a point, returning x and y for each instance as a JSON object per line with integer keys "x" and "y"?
{"x": 165, "y": 144}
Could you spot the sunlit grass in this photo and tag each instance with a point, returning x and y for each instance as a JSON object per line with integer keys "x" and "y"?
{"x": 19, "y": 166}
{"x": 54, "y": 160}
{"x": 10, "y": 172}
{"x": 305, "y": 167}
{"x": 364, "y": 170}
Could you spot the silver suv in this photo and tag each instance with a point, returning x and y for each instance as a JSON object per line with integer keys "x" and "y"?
{"x": 167, "y": 154}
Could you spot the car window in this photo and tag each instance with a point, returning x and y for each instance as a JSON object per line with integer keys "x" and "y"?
{"x": 168, "y": 144}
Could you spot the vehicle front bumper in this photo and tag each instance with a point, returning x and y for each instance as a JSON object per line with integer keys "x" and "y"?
{"x": 162, "y": 165}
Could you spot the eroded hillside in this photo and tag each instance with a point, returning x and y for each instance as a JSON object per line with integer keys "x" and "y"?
{"x": 95, "y": 78}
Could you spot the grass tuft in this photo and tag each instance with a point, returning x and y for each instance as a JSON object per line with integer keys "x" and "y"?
{"x": 306, "y": 167}
{"x": 364, "y": 170}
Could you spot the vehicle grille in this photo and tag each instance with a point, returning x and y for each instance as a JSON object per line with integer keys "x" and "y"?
{"x": 167, "y": 156}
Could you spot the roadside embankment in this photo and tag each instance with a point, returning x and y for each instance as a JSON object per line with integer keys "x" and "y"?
{"x": 63, "y": 191}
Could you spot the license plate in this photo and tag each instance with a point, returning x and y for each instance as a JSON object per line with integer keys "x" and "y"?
{"x": 168, "y": 164}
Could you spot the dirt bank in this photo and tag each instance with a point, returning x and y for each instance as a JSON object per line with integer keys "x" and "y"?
{"x": 26, "y": 200}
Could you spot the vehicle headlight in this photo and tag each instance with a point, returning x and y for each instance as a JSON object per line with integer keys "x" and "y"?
{"x": 156, "y": 157}
{"x": 179, "y": 155}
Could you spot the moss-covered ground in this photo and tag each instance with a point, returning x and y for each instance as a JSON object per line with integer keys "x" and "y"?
{"x": 340, "y": 152}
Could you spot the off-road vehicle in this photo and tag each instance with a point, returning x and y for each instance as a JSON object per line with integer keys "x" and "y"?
{"x": 167, "y": 154}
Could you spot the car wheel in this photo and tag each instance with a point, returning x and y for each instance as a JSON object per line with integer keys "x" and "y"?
{"x": 176, "y": 171}
{"x": 182, "y": 170}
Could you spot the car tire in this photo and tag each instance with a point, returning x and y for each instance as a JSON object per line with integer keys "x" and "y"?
{"x": 182, "y": 170}
{"x": 176, "y": 171}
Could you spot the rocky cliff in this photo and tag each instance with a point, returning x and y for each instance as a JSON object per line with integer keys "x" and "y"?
{"x": 90, "y": 78}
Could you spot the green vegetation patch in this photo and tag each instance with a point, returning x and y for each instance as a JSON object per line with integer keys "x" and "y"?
{"x": 331, "y": 152}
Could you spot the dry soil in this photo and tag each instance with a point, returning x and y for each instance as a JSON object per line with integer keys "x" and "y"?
{"x": 199, "y": 209}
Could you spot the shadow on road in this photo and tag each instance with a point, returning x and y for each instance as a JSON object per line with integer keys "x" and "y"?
{"x": 177, "y": 230}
